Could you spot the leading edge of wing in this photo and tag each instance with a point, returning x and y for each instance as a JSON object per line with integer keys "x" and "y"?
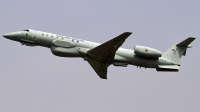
{"x": 124, "y": 35}
{"x": 109, "y": 48}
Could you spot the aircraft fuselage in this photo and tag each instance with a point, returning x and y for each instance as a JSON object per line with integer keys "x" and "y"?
{"x": 65, "y": 46}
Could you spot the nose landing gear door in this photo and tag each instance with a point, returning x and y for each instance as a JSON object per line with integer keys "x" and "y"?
{"x": 35, "y": 35}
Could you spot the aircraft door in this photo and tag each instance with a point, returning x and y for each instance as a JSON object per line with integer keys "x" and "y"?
{"x": 35, "y": 35}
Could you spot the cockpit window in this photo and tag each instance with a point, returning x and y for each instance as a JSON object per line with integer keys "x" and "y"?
{"x": 26, "y": 30}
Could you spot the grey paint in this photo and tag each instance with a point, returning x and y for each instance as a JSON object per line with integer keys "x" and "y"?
{"x": 99, "y": 55}
{"x": 32, "y": 79}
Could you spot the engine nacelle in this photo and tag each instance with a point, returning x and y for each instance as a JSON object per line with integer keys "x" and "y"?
{"x": 147, "y": 52}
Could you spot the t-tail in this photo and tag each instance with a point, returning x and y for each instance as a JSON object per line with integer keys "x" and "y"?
{"x": 175, "y": 53}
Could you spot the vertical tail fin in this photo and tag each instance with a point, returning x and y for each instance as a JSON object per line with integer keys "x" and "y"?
{"x": 176, "y": 51}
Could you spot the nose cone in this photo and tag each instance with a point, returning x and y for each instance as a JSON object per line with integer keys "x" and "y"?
{"x": 9, "y": 35}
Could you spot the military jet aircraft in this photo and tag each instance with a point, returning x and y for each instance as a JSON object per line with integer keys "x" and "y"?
{"x": 101, "y": 56}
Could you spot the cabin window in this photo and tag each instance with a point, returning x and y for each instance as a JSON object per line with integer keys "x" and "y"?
{"x": 42, "y": 33}
{"x": 57, "y": 36}
{"x": 47, "y": 35}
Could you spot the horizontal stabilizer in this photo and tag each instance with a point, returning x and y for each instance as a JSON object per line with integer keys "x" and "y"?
{"x": 169, "y": 66}
{"x": 186, "y": 42}
{"x": 166, "y": 70}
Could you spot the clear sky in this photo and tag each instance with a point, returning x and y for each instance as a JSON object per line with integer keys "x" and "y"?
{"x": 32, "y": 79}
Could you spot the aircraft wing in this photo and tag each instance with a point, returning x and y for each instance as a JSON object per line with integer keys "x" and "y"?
{"x": 103, "y": 55}
{"x": 106, "y": 51}
{"x": 99, "y": 68}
